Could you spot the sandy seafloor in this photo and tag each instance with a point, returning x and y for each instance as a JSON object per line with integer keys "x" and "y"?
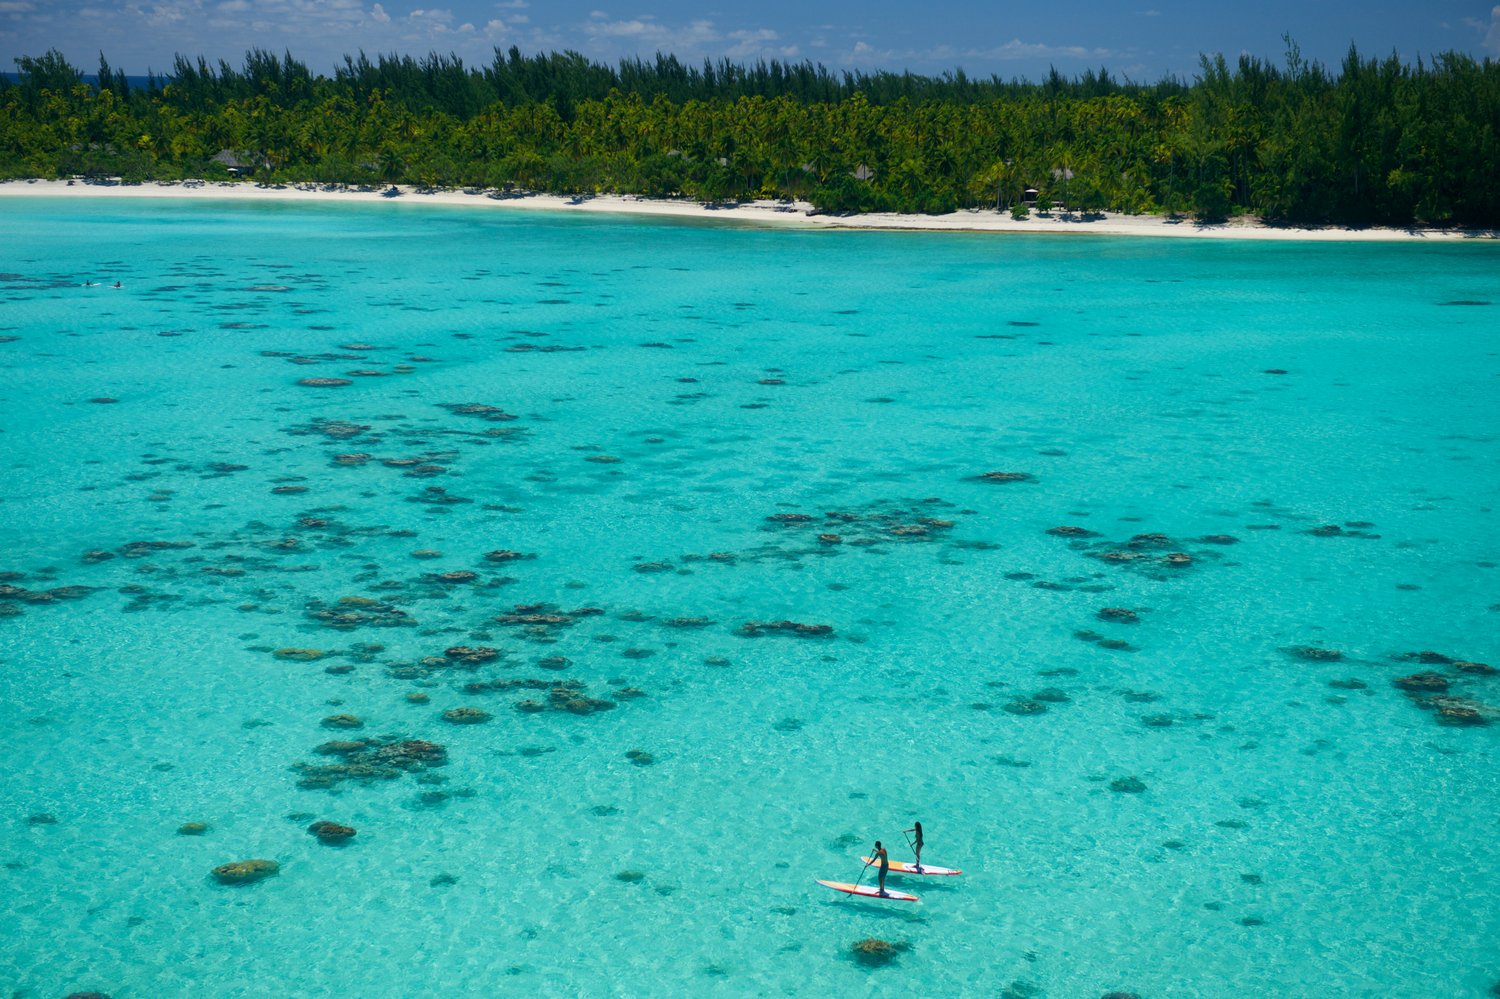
{"x": 1313, "y": 425}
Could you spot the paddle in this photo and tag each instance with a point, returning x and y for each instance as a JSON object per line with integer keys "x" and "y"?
{"x": 862, "y": 872}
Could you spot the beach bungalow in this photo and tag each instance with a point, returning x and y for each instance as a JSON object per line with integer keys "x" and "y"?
{"x": 238, "y": 162}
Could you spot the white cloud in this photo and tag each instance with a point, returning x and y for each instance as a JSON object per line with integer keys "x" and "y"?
{"x": 864, "y": 54}
{"x": 757, "y": 44}
{"x": 948, "y": 56}
{"x": 143, "y": 34}
{"x": 1017, "y": 49}
{"x": 166, "y": 15}
{"x": 598, "y": 25}
{"x": 1492, "y": 37}
{"x": 434, "y": 22}
{"x": 648, "y": 33}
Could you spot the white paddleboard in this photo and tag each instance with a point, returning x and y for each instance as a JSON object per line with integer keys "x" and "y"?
{"x": 927, "y": 870}
{"x": 869, "y": 891}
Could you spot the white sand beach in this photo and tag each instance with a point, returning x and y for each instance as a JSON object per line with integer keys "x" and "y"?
{"x": 757, "y": 213}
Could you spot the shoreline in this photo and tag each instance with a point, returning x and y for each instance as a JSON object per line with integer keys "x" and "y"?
{"x": 758, "y": 213}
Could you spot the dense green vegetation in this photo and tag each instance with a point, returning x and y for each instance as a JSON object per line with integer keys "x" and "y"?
{"x": 1379, "y": 142}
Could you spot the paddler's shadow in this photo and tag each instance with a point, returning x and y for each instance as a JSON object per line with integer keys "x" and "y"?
{"x": 908, "y": 913}
{"x": 918, "y": 885}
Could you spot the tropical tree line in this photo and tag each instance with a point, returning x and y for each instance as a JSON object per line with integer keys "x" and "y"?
{"x": 1379, "y": 141}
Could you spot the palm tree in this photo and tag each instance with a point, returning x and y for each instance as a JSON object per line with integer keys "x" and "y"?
{"x": 392, "y": 166}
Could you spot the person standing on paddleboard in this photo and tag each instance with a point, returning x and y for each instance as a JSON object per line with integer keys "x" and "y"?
{"x": 916, "y": 845}
{"x": 880, "y": 858}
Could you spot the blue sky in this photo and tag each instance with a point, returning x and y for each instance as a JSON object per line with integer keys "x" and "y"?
{"x": 1141, "y": 39}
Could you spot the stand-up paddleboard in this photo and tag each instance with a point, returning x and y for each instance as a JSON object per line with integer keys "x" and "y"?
{"x": 927, "y": 870}
{"x": 869, "y": 891}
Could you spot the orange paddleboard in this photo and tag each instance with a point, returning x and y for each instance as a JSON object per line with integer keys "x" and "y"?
{"x": 869, "y": 891}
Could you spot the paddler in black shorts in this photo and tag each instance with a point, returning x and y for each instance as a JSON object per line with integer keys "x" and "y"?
{"x": 879, "y": 857}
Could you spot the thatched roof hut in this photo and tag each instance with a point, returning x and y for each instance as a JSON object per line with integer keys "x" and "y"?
{"x": 238, "y": 160}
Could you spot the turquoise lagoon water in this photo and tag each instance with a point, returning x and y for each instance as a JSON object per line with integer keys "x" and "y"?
{"x": 1330, "y": 408}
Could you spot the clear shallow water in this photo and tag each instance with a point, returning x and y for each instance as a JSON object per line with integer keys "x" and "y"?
{"x": 1292, "y": 838}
